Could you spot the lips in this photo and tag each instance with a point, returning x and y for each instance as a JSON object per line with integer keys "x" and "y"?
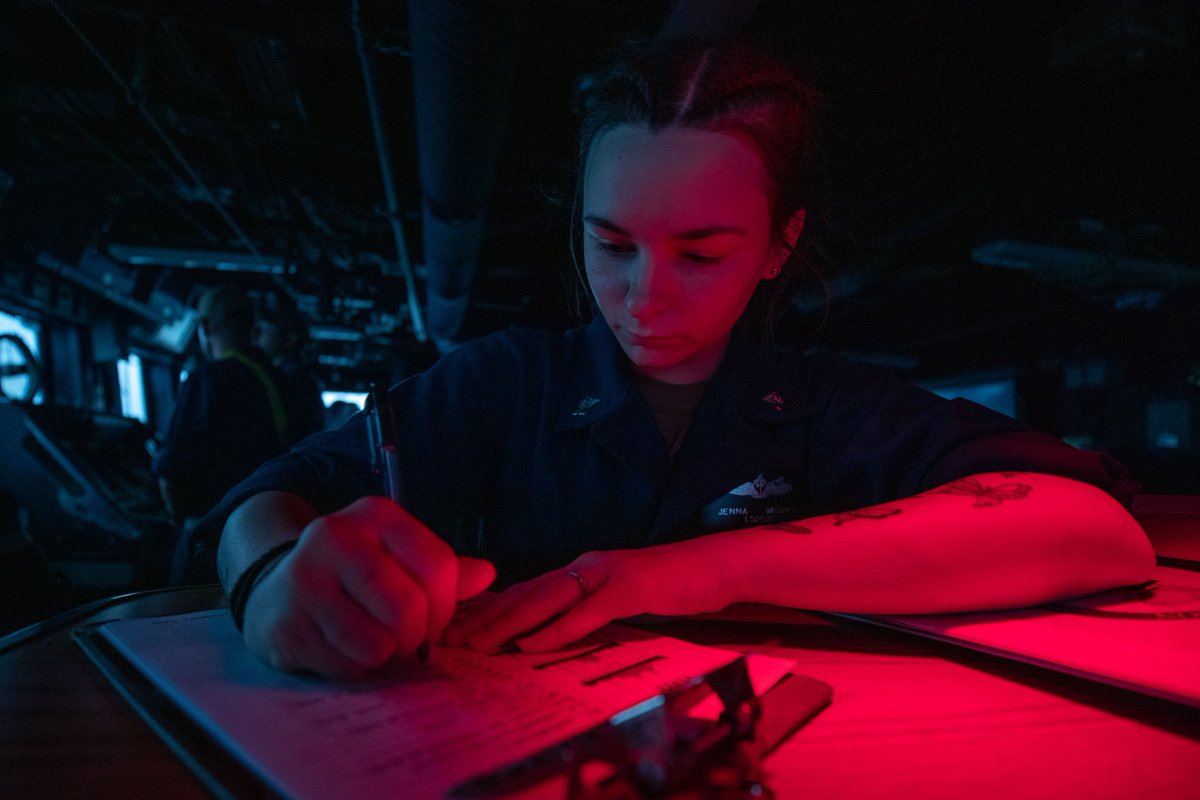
{"x": 643, "y": 340}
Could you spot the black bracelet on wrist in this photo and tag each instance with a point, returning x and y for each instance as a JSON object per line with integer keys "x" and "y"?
{"x": 242, "y": 587}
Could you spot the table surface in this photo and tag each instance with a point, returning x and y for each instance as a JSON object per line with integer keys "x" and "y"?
{"x": 910, "y": 718}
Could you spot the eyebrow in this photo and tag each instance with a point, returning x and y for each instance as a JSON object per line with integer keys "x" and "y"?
{"x": 692, "y": 235}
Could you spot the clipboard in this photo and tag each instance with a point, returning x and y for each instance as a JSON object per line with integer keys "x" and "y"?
{"x": 208, "y": 761}
{"x": 229, "y": 774}
{"x": 657, "y": 748}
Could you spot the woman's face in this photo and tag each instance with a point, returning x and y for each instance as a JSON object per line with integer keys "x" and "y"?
{"x": 677, "y": 236}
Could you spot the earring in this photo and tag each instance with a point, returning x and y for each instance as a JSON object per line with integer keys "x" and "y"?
{"x": 774, "y": 272}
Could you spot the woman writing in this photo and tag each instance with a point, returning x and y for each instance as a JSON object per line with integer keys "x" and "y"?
{"x": 667, "y": 458}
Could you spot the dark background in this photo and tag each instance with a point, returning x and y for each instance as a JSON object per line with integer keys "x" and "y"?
{"x": 1066, "y": 130}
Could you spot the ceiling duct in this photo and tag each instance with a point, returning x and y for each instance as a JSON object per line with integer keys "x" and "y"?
{"x": 1085, "y": 266}
{"x": 186, "y": 258}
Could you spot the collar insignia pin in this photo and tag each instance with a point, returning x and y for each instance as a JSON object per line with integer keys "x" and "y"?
{"x": 775, "y": 399}
{"x": 584, "y": 406}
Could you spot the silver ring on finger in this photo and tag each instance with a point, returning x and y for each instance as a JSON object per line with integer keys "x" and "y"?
{"x": 583, "y": 584}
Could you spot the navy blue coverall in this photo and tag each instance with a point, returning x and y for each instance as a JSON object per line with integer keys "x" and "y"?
{"x": 545, "y": 437}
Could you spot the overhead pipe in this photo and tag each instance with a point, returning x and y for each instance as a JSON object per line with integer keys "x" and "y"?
{"x": 389, "y": 185}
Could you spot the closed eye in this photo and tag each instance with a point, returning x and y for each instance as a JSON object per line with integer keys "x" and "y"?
{"x": 701, "y": 258}
{"x": 612, "y": 248}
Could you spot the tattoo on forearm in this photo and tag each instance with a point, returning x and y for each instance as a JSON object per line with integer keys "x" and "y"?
{"x": 874, "y": 512}
{"x": 986, "y": 496}
{"x": 789, "y": 526}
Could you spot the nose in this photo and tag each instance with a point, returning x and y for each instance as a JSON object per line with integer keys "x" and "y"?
{"x": 651, "y": 286}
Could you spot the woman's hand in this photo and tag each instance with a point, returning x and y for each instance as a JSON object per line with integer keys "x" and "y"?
{"x": 364, "y": 584}
{"x": 590, "y": 592}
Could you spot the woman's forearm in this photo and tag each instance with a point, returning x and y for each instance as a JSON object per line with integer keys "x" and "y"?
{"x": 993, "y": 540}
{"x": 261, "y": 522}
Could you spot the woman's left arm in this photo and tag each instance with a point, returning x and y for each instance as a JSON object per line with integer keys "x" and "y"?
{"x": 993, "y": 540}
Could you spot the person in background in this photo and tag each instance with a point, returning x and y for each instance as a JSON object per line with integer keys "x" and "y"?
{"x": 281, "y": 333}
{"x": 231, "y": 413}
{"x": 672, "y": 456}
